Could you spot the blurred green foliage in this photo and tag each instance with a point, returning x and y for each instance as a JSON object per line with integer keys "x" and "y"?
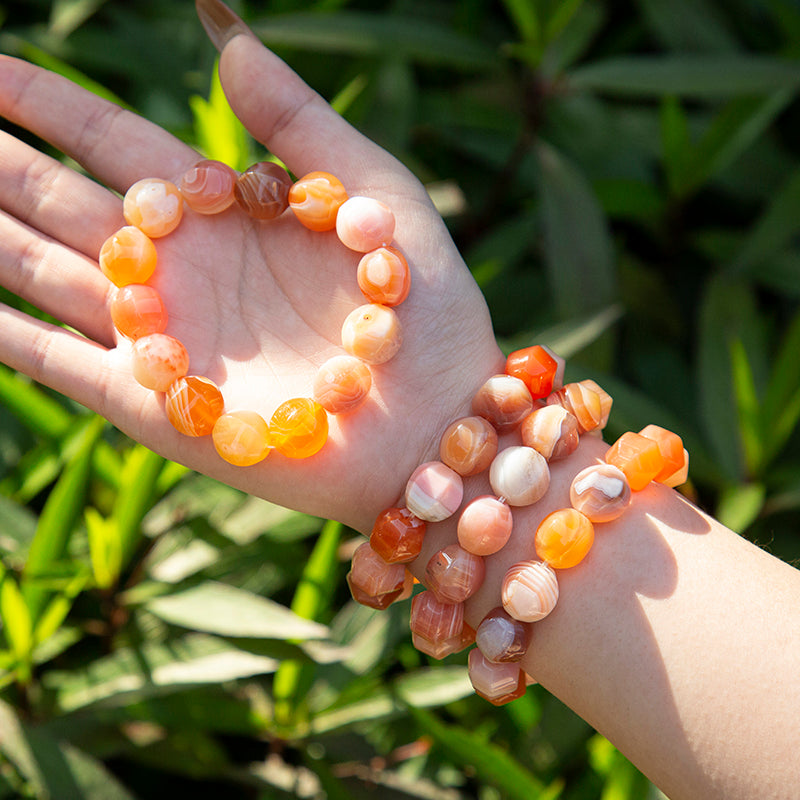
{"x": 623, "y": 179}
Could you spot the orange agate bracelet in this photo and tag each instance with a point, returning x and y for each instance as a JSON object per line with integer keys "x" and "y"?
{"x": 371, "y": 333}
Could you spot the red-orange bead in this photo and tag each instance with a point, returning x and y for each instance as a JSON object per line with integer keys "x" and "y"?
{"x": 138, "y": 310}
{"x": 563, "y": 538}
{"x": 207, "y": 187}
{"x": 262, "y": 191}
{"x": 128, "y": 256}
{"x": 397, "y": 535}
{"x": 383, "y": 276}
{"x": 315, "y": 200}
{"x": 535, "y": 367}
{"x": 638, "y": 457}
{"x": 193, "y": 405}
{"x": 242, "y": 438}
{"x": 299, "y": 427}
{"x": 468, "y": 445}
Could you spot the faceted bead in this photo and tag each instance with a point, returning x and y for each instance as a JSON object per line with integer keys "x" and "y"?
{"x": 638, "y": 457}
{"x": 601, "y": 492}
{"x": 501, "y": 638}
{"x": 529, "y": 590}
{"x": 519, "y": 475}
{"x": 434, "y": 491}
{"x": 315, "y": 200}
{"x": 584, "y": 402}
{"x": 446, "y": 647}
{"x": 383, "y": 276}
{"x": 241, "y": 437}
{"x": 128, "y": 256}
{"x": 485, "y": 525}
{"x": 606, "y": 401}
{"x": 138, "y": 310}
{"x": 207, "y": 187}
{"x": 550, "y": 430}
{"x": 364, "y": 224}
{"x": 154, "y": 206}
{"x": 535, "y": 367}
{"x": 563, "y": 538}
{"x": 157, "y": 360}
{"x": 342, "y": 384}
{"x": 370, "y": 573}
{"x": 193, "y": 405}
{"x": 433, "y": 620}
{"x": 497, "y": 683}
{"x": 561, "y": 364}
{"x": 453, "y": 574}
{"x": 671, "y": 447}
{"x": 372, "y": 333}
{"x": 503, "y": 400}
{"x": 681, "y": 475}
{"x": 468, "y": 445}
{"x": 262, "y": 191}
{"x": 397, "y": 535}
{"x": 299, "y": 427}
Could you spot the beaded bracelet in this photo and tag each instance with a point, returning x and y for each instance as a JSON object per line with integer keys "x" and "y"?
{"x": 528, "y": 397}
{"x": 371, "y": 333}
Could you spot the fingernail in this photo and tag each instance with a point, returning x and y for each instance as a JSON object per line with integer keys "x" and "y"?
{"x": 220, "y": 22}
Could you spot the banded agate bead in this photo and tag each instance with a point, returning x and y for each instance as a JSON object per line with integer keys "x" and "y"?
{"x": 670, "y": 446}
{"x": 454, "y": 574}
{"x": 468, "y": 445}
{"x": 372, "y": 333}
{"x": 563, "y": 538}
{"x": 497, "y": 683}
{"x": 242, "y": 438}
{"x": 529, "y": 590}
{"x": 535, "y": 367}
{"x": 157, "y": 360}
{"x": 520, "y": 475}
{"x": 364, "y": 224}
{"x": 128, "y": 256}
{"x": 434, "y": 491}
{"x": 485, "y": 525}
{"x": 383, "y": 276}
{"x": 600, "y": 492}
{"x": 638, "y": 457}
{"x": 342, "y": 384}
{"x": 299, "y": 427}
{"x": 154, "y": 206}
{"x": 193, "y": 405}
{"x": 445, "y": 647}
{"x": 207, "y": 187}
{"x": 262, "y": 191}
{"x": 397, "y": 535}
{"x": 503, "y": 400}
{"x": 501, "y": 638}
{"x": 584, "y": 402}
{"x": 138, "y": 310}
{"x": 433, "y": 620}
{"x": 374, "y": 576}
{"x": 315, "y": 200}
{"x": 606, "y": 401}
{"x": 551, "y": 431}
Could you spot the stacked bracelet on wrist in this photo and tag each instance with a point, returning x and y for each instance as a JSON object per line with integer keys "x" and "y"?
{"x": 549, "y": 418}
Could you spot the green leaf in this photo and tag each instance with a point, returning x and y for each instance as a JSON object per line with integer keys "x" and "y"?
{"x": 675, "y": 142}
{"x": 437, "y": 686}
{"x": 68, "y": 15}
{"x": 523, "y": 16}
{"x": 105, "y": 551}
{"x": 740, "y": 505}
{"x": 748, "y": 407}
{"x": 16, "y": 617}
{"x": 689, "y": 25}
{"x": 781, "y": 403}
{"x": 35, "y": 409}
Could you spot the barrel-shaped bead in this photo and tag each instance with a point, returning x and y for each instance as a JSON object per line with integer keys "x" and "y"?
{"x": 157, "y": 360}
{"x": 563, "y": 538}
{"x": 383, "y": 276}
{"x": 535, "y": 367}
{"x": 670, "y": 446}
{"x": 434, "y": 491}
{"x": 601, "y": 492}
{"x": 499, "y": 683}
{"x": 372, "y": 333}
{"x": 207, "y": 187}
{"x": 529, "y": 591}
{"x": 128, "y": 256}
{"x": 520, "y": 475}
{"x": 262, "y": 191}
{"x": 445, "y": 647}
{"x": 638, "y": 457}
{"x": 434, "y": 620}
{"x": 397, "y": 535}
{"x": 373, "y": 575}
{"x": 315, "y": 200}
{"x": 681, "y": 475}
{"x": 550, "y": 430}
{"x": 299, "y": 427}
{"x": 193, "y": 405}
{"x": 154, "y": 206}
{"x": 468, "y": 445}
{"x": 342, "y": 384}
{"x": 503, "y": 400}
{"x": 364, "y": 224}
{"x": 137, "y": 310}
{"x": 587, "y": 404}
{"x": 241, "y": 438}
{"x": 485, "y": 525}
{"x": 454, "y": 574}
{"x": 502, "y": 638}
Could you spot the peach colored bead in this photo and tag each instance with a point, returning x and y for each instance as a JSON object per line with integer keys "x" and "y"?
{"x": 207, "y": 187}
{"x": 315, "y": 200}
{"x": 380, "y": 602}
{"x": 563, "y": 538}
{"x": 383, "y": 276}
{"x": 342, "y": 384}
{"x": 535, "y": 367}
{"x": 262, "y": 191}
{"x": 128, "y": 256}
{"x": 606, "y": 401}
{"x": 681, "y": 475}
{"x": 503, "y": 400}
{"x": 520, "y": 475}
{"x": 433, "y": 620}
{"x": 638, "y": 457}
{"x": 497, "y": 683}
{"x": 601, "y": 492}
{"x": 241, "y": 438}
{"x": 157, "y": 360}
{"x": 372, "y": 333}
{"x": 397, "y": 535}
{"x": 561, "y": 364}
{"x": 138, "y": 310}
{"x": 154, "y": 206}
{"x": 671, "y": 447}
{"x": 299, "y": 427}
{"x": 529, "y": 591}
{"x": 453, "y": 574}
{"x": 373, "y": 575}
{"x": 442, "y": 649}
{"x": 582, "y": 401}
{"x": 468, "y": 445}
{"x": 193, "y": 405}
{"x": 551, "y": 431}
{"x": 485, "y": 525}
{"x": 501, "y": 638}
{"x": 434, "y": 491}
{"x": 364, "y": 224}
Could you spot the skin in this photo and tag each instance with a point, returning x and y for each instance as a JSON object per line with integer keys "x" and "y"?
{"x": 675, "y": 638}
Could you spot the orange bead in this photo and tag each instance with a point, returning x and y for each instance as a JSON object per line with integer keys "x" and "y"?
{"x": 342, "y": 384}
{"x": 372, "y": 333}
{"x": 241, "y": 437}
{"x": 299, "y": 428}
{"x": 128, "y": 256}
{"x": 535, "y": 367}
{"x": 638, "y": 457}
{"x": 154, "y": 206}
{"x": 383, "y": 276}
{"x": 563, "y": 538}
{"x": 138, "y": 310}
{"x": 586, "y": 403}
{"x": 671, "y": 447}
{"x": 193, "y": 405}
{"x": 315, "y": 200}
{"x": 262, "y": 191}
{"x": 157, "y": 360}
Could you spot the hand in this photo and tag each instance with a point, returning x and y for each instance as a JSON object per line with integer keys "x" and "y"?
{"x": 259, "y": 305}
